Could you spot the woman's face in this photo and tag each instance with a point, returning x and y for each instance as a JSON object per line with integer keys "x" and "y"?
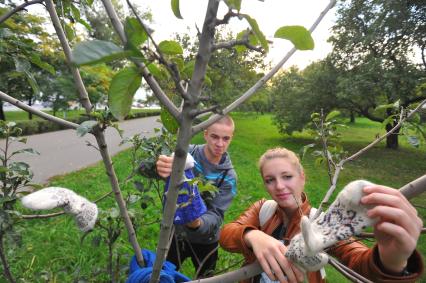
{"x": 283, "y": 180}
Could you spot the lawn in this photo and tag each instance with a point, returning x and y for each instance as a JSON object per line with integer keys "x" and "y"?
{"x": 20, "y": 115}
{"x": 53, "y": 250}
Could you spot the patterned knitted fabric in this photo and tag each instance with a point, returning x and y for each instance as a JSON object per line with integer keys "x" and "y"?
{"x": 84, "y": 211}
{"x": 345, "y": 217}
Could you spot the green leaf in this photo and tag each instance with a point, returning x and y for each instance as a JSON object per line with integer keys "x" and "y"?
{"x": 259, "y": 35}
{"x": 175, "y": 9}
{"x": 305, "y": 150}
{"x": 86, "y": 127}
{"x": 157, "y": 71}
{"x": 207, "y": 81}
{"x": 252, "y": 39}
{"x": 234, "y": 4}
{"x": 75, "y": 12}
{"x": 298, "y": 35}
{"x": 394, "y": 105}
{"x": 188, "y": 69}
{"x": 389, "y": 120}
{"x": 135, "y": 32}
{"x": 26, "y": 150}
{"x": 21, "y": 65}
{"x": 97, "y": 51}
{"x": 33, "y": 83}
{"x": 69, "y": 32}
{"x": 121, "y": 91}
{"x": 35, "y": 59}
{"x": 170, "y": 47}
{"x": 169, "y": 122}
{"x": 332, "y": 115}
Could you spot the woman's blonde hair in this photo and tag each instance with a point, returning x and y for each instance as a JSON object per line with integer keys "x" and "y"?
{"x": 280, "y": 152}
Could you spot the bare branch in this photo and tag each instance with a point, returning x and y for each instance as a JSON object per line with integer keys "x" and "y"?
{"x": 98, "y": 133}
{"x": 21, "y": 7}
{"x": 249, "y": 93}
{"x": 184, "y": 135}
{"x": 42, "y": 216}
{"x": 23, "y": 106}
{"x": 347, "y": 272}
{"x": 339, "y": 166}
{"x": 371, "y": 235}
{"x": 84, "y": 97}
{"x": 153, "y": 84}
{"x": 226, "y": 18}
{"x": 194, "y": 113}
{"x": 170, "y": 66}
{"x": 232, "y": 43}
{"x": 414, "y": 188}
{"x": 245, "y": 272}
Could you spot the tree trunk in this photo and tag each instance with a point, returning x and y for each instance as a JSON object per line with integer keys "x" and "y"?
{"x": 352, "y": 117}
{"x": 2, "y": 116}
{"x": 6, "y": 270}
{"x": 392, "y": 139}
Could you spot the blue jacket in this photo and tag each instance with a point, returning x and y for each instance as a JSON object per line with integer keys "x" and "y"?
{"x": 224, "y": 177}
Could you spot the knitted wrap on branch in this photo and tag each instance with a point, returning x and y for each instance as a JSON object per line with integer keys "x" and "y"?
{"x": 168, "y": 273}
{"x": 345, "y": 218}
{"x": 190, "y": 204}
{"x": 84, "y": 211}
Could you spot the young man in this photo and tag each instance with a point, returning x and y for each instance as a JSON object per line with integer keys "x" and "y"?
{"x": 199, "y": 239}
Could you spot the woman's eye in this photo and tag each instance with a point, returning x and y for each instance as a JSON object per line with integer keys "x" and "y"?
{"x": 268, "y": 181}
{"x": 286, "y": 177}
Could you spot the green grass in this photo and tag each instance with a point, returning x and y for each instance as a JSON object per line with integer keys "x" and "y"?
{"x": 21, "y": 115}
{"x": 52, "y": 248}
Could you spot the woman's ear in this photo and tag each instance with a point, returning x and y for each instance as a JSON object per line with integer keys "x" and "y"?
{"x": 302, "y": 175}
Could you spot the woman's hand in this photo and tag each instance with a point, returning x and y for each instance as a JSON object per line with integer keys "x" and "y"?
{"x": 164, "y": 165}
{"x": 270, "y": 254}
{"x": 398, "y": 228}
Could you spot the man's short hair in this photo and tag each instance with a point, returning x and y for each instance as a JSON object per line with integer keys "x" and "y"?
{"x": 226, "y": 120}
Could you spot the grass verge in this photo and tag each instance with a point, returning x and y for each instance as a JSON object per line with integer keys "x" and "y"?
{"x": 53, "y": 250}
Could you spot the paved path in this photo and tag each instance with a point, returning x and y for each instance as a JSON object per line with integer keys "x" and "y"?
{"x": 62, "y": 152}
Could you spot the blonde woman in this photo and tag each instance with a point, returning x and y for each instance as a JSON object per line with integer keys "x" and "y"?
{"x": 392, "y": 259}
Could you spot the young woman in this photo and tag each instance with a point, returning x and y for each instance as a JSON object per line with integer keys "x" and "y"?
{"x": 392, "y": 259}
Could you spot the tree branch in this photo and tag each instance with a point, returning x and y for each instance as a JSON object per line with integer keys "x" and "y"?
{"x": 245, "y": 272}
{"x": 184, "y": 135}
{"x": 98, "y": 133}
{"x": 23, "y": 106}
{"x": 21, "y": 7}
{"x": 170, "y": 66}
{"x": 226, "y": 18}
{"x": 235, "y": 42}
{"x": 339, "y": 166}
{"x": 249, "y": 93}
{"x": 347, "y": 272}
{"x": 158, "y": 92}
{"x": 194, "y": 113}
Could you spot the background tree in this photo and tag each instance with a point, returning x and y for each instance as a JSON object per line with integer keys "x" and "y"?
{"x": 296, "y": 94}
{"x": 374, "y": 43}
{"x": 21, "y": 57}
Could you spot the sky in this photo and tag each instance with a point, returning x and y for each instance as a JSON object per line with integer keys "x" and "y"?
{"x": 270, "y": 15}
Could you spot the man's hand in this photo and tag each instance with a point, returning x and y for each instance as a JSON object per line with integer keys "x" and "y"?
{"x": 194, "y": 224}
{"x": 270, "y": 254}
{"x": 398, "y": 228}
{"x": 164, "y": 165}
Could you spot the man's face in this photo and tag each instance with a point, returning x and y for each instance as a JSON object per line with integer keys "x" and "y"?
{"x": 218, "y": 137}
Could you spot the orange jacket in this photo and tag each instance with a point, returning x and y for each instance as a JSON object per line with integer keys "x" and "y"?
{"x": 354, "y": 255}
